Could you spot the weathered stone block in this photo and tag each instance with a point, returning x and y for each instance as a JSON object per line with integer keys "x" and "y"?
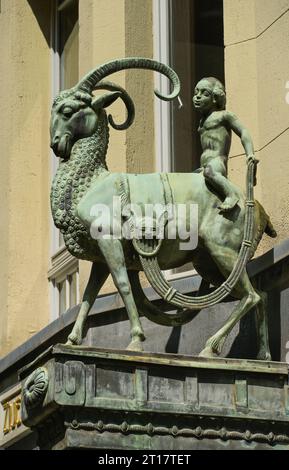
{"x": 129, "y": 400}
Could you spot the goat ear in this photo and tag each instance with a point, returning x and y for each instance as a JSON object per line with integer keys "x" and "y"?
{"x": 104, "y": 101}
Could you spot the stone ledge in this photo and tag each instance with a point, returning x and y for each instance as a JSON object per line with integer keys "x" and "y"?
{"x": 174, "y": 360}
{"x": 85, "y": 383}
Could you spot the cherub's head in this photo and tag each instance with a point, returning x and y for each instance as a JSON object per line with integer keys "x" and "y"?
{"x": 209, "y": 95}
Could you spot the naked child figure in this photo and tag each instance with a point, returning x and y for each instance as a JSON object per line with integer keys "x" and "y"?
{"x": 215, "y": 129}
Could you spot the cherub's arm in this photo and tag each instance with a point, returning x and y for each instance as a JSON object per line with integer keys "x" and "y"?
{"x": 241, "y": 132}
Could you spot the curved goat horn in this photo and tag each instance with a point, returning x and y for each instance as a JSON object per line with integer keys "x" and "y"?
{"x": 90, "y": 80}
{"x": 129, "y": 104}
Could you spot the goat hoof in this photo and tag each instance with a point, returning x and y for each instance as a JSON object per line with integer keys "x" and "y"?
{"x": 207, "y": 352}
{"x": 69, "y": 342}
{"x": 74, "y": 340}
{"x": 264, "y": 356}
{"x": 135, "y": 345}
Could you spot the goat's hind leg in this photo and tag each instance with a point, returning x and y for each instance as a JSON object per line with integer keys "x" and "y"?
{"x": 263, "y": 353}
{"x": 225, "y": 259}
{"x": 114, "y": 256}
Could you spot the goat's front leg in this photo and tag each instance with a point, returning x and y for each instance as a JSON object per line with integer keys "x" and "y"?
{"x": 114, "y": 256}
{"x": 98, "y": 275}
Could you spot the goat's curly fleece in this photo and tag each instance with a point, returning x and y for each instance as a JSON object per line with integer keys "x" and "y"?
{"x": 72, "y": 180}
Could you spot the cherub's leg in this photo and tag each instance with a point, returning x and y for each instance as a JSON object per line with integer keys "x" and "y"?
{"x": 98, "y": 275}
{"x": 214, "y": 173}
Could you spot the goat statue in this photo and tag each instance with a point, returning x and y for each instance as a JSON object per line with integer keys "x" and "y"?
{"x": 79, "y": 136}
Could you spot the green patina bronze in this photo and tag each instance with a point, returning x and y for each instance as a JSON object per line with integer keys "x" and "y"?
{"x": 79, "y": 136}
{"x": 215, "y": 130}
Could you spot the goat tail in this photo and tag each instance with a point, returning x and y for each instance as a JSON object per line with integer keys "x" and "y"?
{"x": 270, "y": 230}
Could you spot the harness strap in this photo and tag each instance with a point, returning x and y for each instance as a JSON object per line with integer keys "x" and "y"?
{"x": 162, "y": 287}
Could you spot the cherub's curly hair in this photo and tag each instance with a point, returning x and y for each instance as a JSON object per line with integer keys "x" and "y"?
{"x": 219, "y": 92}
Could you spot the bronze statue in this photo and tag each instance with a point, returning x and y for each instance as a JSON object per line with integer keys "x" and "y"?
{"x": 215, "y": 130}
{"x": 79, "y": 136}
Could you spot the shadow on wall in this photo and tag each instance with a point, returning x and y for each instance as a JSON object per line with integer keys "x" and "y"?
{"x": 42, "y": 12}
{"x": 245, "y": 343}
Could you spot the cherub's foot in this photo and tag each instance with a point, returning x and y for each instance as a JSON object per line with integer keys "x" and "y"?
{"x": 229, "y": 203}
{"x": 75, "y": 337}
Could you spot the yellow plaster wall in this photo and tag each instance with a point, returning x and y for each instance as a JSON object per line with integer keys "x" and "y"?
{"x": 140, "y": 145}
{"x": 24, "y": 170}
{"x": 256, "y": 61}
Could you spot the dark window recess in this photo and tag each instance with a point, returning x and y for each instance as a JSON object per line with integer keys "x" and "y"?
{"x": 197, "y": 51}
{"x": 68, "y": 43}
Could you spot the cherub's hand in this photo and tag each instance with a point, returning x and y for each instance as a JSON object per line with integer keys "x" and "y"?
{"x": 252, "y": 158}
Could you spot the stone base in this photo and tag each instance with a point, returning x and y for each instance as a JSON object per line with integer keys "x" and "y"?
{"x": 80, "y": 397}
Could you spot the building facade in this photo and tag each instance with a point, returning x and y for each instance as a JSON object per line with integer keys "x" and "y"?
{"x": 48, "y": 46}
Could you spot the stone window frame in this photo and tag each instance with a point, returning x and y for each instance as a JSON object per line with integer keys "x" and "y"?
{"x": 163, "y": 27}
{"x": 162, "y": 111}
{"x": 163, "y": 114}
{"x": 63, "y": 267}
{"x": 62, "y": 264}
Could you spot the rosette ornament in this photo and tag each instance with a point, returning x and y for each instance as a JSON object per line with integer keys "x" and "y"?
{"x": 35, "y": 388}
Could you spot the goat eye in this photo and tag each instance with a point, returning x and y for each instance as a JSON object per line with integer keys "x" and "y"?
{"x": 67, "y": 112}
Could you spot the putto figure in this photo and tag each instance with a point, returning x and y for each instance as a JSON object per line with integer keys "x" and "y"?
{"x": 215, "y": 129}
